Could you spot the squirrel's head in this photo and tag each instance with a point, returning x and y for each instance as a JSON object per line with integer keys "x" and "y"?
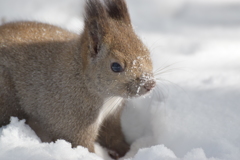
{"x": 115, "y": 61}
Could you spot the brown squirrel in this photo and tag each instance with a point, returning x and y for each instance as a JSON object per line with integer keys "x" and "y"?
{"x": 68, "y": 86}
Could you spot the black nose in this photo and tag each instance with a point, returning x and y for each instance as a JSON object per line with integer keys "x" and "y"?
{"x": 149, "y": 85}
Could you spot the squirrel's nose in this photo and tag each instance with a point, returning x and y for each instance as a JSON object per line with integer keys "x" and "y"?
{"x": 149, "y": 85}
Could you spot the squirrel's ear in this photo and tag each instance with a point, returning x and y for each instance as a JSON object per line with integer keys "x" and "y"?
{"x": 96, "y": 24}
{"x": 117, "y": 9}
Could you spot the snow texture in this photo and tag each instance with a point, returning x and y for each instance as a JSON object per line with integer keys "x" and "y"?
{"x": 193, "y": 114}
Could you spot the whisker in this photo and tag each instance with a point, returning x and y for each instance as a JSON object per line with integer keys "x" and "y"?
{"x": 116, "y": 106}
{"x": 154, "y": 46}
{"x": 108, "y": 104}
{"x": 163, "y": 69}
{"x": 162, "y": 91}
{"x": 172, "y": 83}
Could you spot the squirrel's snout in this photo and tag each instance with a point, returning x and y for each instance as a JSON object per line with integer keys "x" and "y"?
{"x": 141, "y": 86}
{"x": 150, "y": 85}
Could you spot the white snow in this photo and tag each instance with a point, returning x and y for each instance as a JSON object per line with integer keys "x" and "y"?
{"x": 18, "y": 141}
{"x": 193, "y": 114}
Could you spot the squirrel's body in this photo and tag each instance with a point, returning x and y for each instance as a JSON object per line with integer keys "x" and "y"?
{"x": 44, "y": 69}
{"x": 62, "y": 83}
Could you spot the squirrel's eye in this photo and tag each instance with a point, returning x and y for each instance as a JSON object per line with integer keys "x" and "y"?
{"x": 116, "y": 67}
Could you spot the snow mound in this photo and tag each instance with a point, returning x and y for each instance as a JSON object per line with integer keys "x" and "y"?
{"x": 160, "y": 152}
{"x": 19, "y": 142}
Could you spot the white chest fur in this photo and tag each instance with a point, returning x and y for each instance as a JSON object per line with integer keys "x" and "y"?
{"x": 110, "y": 105}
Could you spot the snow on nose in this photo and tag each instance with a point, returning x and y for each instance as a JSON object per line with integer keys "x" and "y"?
{"x": 149, "y": 85}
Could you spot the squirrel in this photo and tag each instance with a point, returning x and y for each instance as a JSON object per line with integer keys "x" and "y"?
{"x": 73, "y": 87}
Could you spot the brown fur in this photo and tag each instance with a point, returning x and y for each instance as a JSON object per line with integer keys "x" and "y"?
{"x": 60, "y": 82}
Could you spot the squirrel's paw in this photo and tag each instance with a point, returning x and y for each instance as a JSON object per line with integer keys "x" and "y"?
{"x": 113, "y": 154}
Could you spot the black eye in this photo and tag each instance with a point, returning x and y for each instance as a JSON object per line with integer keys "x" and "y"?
{"x": 116, "y": 67}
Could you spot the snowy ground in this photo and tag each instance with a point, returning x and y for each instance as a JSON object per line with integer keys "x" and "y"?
{"x": 194, "y": 112}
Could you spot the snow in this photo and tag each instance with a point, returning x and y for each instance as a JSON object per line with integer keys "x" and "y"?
{"x": 18, "y": 141}
{"x": 193, "y": 114}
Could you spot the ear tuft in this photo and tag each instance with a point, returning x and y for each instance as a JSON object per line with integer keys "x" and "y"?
{"x": 117, "y": 9}
{"x": 94, "y": 9}
{"x": 96, "y": 24}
